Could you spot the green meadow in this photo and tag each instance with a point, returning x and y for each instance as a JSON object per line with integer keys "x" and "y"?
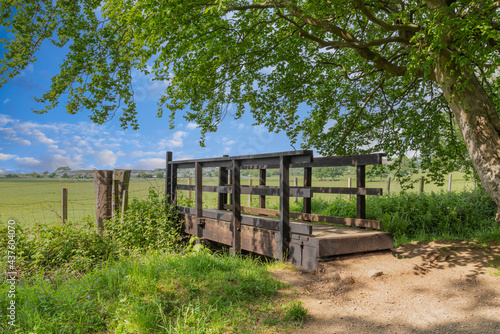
{"x": 39, "y": 200}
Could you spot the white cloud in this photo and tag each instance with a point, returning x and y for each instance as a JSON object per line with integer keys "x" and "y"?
{"x": 176, "y": 140}
{"x": 21, "y": 141}
{"x": 4, "y": 157}
{"x": 150, "y": 163}
{"x": 7, "y": 100}
{"x": 192, "y": 126}
{"x": 106, "y": 158}
{"x": 5, "y": 119}
{"x": 28, "y": 162}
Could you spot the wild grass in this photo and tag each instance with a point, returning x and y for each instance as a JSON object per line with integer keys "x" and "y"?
{"x": 155, "y": 293}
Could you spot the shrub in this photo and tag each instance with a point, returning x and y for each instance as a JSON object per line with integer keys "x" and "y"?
{"x": 147, "y": 224}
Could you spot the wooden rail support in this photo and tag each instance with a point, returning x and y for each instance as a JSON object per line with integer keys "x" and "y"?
{"x": 198, "y": 194}
{"x": 361, "y": 199}
{"x": 168, "y": 177}
{"x": 262, "y": 182}
{"x": 236, "y": 196}
{"x": 284, "y": 223}
{"x": 222, "y": 197}
{"x": 121, "y": 181}
{"x": 307, "y": 183}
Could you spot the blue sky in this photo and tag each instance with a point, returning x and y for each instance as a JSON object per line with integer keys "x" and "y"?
{"x": 33, "y": 142}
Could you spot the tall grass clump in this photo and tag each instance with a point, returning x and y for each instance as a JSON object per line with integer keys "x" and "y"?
{"x": 425, "y": 216}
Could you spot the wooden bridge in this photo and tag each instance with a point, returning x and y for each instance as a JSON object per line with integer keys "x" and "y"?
{"x": 302, "y": 238}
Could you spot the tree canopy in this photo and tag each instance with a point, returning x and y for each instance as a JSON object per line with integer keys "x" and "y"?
{"x": 344, "y": 76}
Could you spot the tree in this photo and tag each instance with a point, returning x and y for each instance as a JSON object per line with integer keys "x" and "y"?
{"x": 373, "y": 75}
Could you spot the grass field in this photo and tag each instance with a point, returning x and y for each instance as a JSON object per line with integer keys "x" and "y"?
{"x": 39, "y": 200}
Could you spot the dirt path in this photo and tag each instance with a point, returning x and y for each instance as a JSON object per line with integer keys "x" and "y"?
{"x": 436, "y": 287}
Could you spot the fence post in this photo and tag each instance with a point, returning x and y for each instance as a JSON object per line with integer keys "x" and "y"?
{"x": 349, "y": 180}
{"x": 223, "y": 181}
{"x": 198, "y": 195}
{"x": 284, "y": 223}
{"x": 124, "y": 204}
{"x": 64, "y": 205}
{"x": 388, "y": 185}
{"x": 120, "y": 184}
{"x": 307, "y": 183}
{"x": 250, "y": 196}
{"x": 168, "y": 177}
{"x": 103, "y": 188}
{"x": 235, "y": 199}
{"x": 189, "y": 191}
{"x": 449, "y": 183}
{"x": 360, "y": 199}
{"x": 421, "y": 189}
{"x": 262, "y": 182}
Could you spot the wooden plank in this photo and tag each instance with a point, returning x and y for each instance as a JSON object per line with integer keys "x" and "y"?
{"x": 168, "y": 177}
{"x": 360, "y": 199}
{"x": 236, "y": 245}
{"x": 284, "y": 218}
{"x": 338, "y": 244}
{"x": 256, "y": 221}
{"x": 198, "y": 195}
{"x": 365, "y": 223}
{"x": 262, "y": 182}
{"x": 214, "y": 189}
{"x": 351, "y": 160}
{"x": 275, "y": 191}
{"x": 347, "y": 191}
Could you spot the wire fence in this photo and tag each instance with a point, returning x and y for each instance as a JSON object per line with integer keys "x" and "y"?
{"x": 32, "y": 201}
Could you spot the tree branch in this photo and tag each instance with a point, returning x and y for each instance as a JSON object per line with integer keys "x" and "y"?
{"x": 388, "y": 27}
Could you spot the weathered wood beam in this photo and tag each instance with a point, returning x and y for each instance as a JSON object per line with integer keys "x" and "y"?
{"x": 168, "y": 177}
{"x": 284, "y": 218}
{"x": 236, "y": 223}
{"x": 198, "y": 195}
{"x": 262, "y": 182}
{"x": 360, "y": 199}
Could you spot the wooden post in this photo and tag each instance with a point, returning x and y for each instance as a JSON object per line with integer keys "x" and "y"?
{"x": 168, "y": 178}
{"x": 307, "y": 183}
{"x": 173, "y": 184}
{"x": 198, "y": 195}
{"x": 421, "y": 188}
{"x": 235, "y": 196}
{"x": 124, "y": 204}
{"x": 230, "y": 178}
{"x": 449, "y": 183}
{"x": 250, "y": 196}
{"x": 64, "y": 216}
{"x": 222, "y": 197}
{"x": 189, "y": 191}
{"x": 388, "y": 185}
{"x": 262, "y": 182}
{"x": 349, "y": 182}
{"x": 284, "y": 223}
{"x": 295, "y": 182}
{"x": 360, "y": 199}
{"x": 120, "y": 184}
{"x": 103, "y": 188}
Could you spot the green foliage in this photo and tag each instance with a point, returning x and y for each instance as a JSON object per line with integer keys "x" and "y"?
{"x": 376, "y": 89}
{"x": 410, "y": 216}
{"x": 148, "y": 224}
{"x": 155, "y": 293}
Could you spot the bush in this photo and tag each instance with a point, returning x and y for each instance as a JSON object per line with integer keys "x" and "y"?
{"x": 147, "y": 224}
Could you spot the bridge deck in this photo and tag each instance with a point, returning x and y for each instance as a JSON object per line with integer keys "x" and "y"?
{"x": 310, "y": 242}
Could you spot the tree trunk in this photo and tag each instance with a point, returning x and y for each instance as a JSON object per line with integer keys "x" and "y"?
{"x": 479, "y": 123}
